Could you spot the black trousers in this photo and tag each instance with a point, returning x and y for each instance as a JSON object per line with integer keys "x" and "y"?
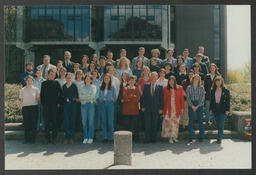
{"x": 29, "y": 121}
{"x": 131, "y": 124}
{"x": 151, "y": 123}
{"x": 60, "y": 118}
{"x": 51, "y": 125}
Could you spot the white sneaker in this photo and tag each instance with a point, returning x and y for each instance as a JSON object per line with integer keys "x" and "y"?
{"x": 90, "y": 141}
{"x": 175, "y": 140}
{"x": 85, "y": 141}
{"x": 170, "y": 141}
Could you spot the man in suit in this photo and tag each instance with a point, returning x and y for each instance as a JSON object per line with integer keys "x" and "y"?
{"x": 67, "y": 63}
{"x": 46, "y": 66}
{"x": 152, "y": 106}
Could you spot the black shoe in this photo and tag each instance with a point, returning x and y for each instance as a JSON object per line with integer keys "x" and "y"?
{"x": 54, "y": 141}
{"x": 25, "y": 142}
{"x": 46, "y": 142}
{"x": 218, "y": 141}
{"x": 104, "y": 141}
{"x": 146, "y": 141}
{"x": 111, "y": 141}
{"x": 190, "y": 140}
{"x": 153, "y": 141}
{"x": 201, "y": 140}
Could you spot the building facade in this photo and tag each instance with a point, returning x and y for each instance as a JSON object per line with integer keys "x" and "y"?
{"x": 40, "y": 30}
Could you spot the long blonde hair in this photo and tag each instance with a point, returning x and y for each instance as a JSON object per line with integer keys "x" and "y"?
{"x": 127, "y": 62}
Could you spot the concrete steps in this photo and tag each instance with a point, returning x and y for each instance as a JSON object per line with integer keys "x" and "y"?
{"x": 210, "y": 134}
{"x": 14, "y": 131}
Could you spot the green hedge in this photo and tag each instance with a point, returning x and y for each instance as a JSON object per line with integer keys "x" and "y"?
{"x": 240, "y": 100}
{"x": 12, "y": 104}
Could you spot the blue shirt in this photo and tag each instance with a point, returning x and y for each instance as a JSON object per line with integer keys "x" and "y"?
{"x": 109, "y": 97}
{"x": 189, "y": 62}
{"x": 38, "y": 83}
{"x": 172, "y": 61}
{"x": 97, "y": 83}
{"x": 120, "y": 71}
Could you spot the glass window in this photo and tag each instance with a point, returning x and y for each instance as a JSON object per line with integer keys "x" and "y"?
{"x": 135, "y": 22}
{"x": 70, "y": 23}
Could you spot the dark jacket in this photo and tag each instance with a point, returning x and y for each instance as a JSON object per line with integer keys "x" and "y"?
{"x": 50, "y": 93}
{"x": 204, "y": 69}
{"x": 180, "y": 78}
{"x": 208, "y": 85}
{"x": 154, "y": 68}
{"x": 69, "y": 67}
{"x": 224, "y": 101}
{"x": 69, "y": 95}
{"x": 169, "y": 74}
{"x": 152, "y": 103}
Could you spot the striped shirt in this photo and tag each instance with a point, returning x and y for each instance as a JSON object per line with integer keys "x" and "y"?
{"x": 195, "y": 94}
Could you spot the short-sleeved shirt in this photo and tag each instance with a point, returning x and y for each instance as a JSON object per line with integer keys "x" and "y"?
{"x": 29, "y": 96}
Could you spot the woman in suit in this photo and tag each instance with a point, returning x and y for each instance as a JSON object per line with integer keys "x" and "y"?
{"x": 173, "y": 109}
{"x": 220, "y": 104}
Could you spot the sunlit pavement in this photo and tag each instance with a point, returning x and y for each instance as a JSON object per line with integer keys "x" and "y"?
{"x": 231, "y": 154}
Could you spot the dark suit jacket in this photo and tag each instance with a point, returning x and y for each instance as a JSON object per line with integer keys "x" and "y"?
{"x": 152, "y": 103}
{"x": 69, "y": 67}
{"x": 224, "y": 101}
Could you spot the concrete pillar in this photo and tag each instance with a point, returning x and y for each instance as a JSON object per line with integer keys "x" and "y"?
{"x": 122, "y": 148}
{"x": 239, "y": 119}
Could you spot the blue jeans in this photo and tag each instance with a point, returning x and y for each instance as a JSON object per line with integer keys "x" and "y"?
{"x": 97, "y": 118}
{"x": 40, "y": 116}
{"x": 220, "y": 121}
{"x": 207, "y": 111}
{"x": 70, "y": 112}
{"x": 192, "y": 116}
{"x": 88, "y": 113}
{"x": 107, "y": 113}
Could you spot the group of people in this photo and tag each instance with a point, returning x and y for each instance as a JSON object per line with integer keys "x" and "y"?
{"x": 147, "y": 95}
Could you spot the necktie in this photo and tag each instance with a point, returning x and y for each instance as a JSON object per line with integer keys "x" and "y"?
{"x": 152, "y": 90}
{"x": 44, "y": 69}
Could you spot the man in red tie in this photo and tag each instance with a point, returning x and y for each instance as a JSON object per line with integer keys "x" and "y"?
{"x": 152, "y": 106}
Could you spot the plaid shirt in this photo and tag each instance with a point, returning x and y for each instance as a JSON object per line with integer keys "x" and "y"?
{"x": 195, "y": 94}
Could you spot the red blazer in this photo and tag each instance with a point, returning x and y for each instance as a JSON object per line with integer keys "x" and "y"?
{"x": 179, "y": 101}
{"x": 131, "y": 99}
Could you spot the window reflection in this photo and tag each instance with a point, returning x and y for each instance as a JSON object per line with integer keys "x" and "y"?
{"x": 133, "y": 22}
{"x": 70, "y": 23}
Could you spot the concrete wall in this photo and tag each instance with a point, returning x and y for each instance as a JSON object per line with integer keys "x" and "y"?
{"x": 194, "y": 27}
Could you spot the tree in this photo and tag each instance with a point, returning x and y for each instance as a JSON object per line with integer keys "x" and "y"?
{"x": 10, "y": 32}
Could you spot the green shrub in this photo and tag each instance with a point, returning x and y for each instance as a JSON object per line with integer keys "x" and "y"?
{"x": 240, "y": 99}
{"x": 12, "y": 104}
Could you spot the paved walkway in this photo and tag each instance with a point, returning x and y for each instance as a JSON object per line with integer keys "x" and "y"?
{"x": 232, "y": 154}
